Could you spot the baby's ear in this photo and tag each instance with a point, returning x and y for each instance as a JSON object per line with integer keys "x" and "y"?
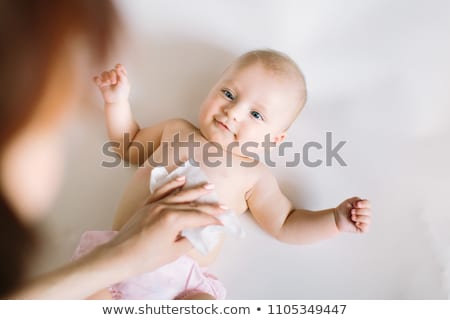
{"x": 279, "y": 138}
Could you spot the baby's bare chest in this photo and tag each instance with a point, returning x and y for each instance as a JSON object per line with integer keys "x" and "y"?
{"x": 230, "y": 176}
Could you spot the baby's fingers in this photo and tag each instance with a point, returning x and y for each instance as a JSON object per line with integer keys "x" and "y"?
{"x": 121, "y": 74}
{"x": 363, "y": 204}
{"x": 107, "y": 78}
{"x": 358, "y": 219}
{"x": 97, "y": 80}
{"x": 361, "y": 212}
{"x": 113, "y": 76}
{"x": 121, "y": 69}
{"x": 362, "y": 227}
{"x": 103, "y": 80}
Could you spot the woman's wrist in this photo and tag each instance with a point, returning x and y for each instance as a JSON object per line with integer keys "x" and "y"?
{"x": 110, "y": 259}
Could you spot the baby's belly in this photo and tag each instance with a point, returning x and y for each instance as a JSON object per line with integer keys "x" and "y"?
{"x": 137, "y": 191}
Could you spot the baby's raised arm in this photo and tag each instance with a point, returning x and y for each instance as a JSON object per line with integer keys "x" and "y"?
{"x": 275, "y": 213}
{"x": 132, "y": 142}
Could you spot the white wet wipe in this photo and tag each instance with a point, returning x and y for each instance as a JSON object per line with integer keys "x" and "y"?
{"x": 204, "y": 239}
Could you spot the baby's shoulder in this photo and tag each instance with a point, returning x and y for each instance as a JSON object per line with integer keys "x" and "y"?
{"x": 177, "y": 126}
{"x": 260, "y": 175}
{"x": 260, "y": 169}
{"x": 252, "y": 171}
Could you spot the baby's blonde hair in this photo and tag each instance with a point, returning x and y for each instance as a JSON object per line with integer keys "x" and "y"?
{"x": 279, "y": 63}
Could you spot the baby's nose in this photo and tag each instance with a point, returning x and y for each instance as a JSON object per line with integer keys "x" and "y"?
{"x": 233, "y": 112}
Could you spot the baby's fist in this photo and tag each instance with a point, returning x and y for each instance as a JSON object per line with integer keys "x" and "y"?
{"x": 353, "y": 215}
{"x": 114, "y": 84}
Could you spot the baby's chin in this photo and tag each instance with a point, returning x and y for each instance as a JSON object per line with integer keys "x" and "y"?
{"x": 229, "y": 145}
{"x": 235, "y": 148}
{"x": 214, "y": 136}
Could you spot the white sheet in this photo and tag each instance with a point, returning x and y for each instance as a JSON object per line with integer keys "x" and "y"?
{"x": 378, "y": 75}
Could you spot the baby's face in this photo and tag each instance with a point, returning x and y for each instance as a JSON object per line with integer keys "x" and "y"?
{"x": 247, "y": 104}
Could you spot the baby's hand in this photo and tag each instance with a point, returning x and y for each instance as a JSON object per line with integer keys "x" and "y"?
{"x": 114, "y": 84}
{"x": 353, "y": 215}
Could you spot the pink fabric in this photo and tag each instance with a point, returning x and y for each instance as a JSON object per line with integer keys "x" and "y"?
{"x": 174, "y": 280}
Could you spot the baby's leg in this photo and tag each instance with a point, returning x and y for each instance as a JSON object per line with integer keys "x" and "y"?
{"x": 196, "y": 295}
{"x": 136, "y": 191}
{"x": 134, "y": 195}
{"x": 104, "y": 294}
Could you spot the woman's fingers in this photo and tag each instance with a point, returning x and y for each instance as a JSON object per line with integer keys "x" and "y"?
{"x": 166, "y": 189}
{"x": 208, "y": 208}
{"x": 190, "y": 218}
{"x": 189, "y": 195}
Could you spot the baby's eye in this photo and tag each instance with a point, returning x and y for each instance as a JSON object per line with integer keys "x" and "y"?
{"x": 228, "y": 95}
{"x": 256, "y": 115}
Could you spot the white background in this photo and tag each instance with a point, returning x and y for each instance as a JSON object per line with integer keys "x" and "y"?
{"x": 378, "y": 75}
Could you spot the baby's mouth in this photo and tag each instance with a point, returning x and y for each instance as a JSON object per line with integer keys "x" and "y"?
{"x": 223, "y": 125}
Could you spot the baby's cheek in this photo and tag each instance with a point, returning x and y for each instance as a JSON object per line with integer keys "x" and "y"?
{"x": 201, "y": 117}
{"x": 252, "y": 145}
{"x": 254, "y": 136}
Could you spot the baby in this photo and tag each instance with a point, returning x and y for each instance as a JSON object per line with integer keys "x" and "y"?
{"x": 255, "y": 101}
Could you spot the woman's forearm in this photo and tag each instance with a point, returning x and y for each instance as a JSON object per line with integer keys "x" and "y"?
{"x": 76, "y": 280}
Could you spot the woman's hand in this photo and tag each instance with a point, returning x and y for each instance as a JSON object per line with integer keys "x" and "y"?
{"x": 151, "y": 238}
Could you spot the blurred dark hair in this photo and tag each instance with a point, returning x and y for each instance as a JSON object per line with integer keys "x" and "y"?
{"x": 33, "y": 34}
